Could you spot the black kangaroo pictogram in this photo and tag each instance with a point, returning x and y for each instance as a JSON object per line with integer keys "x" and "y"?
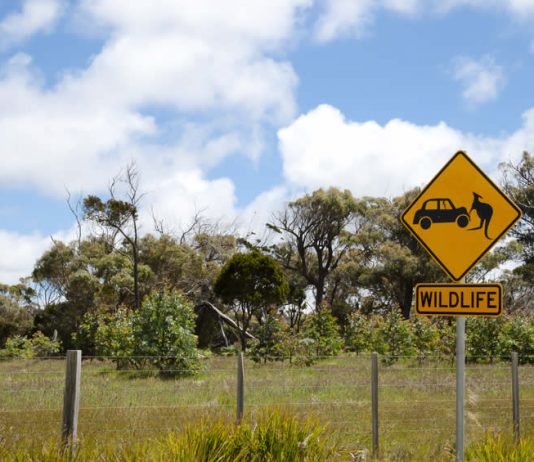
{"x": 484, "y": 212}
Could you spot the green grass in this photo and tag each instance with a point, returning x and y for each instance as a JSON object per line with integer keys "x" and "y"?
{"x": 417, "y": 410}
{"x": 499, "y": 448}
{"x": 274, "y": 437}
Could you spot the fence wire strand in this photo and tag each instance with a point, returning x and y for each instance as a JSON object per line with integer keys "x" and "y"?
{"x": 121, "y": 398}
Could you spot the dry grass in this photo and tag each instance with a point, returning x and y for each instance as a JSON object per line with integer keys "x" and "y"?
{"x": 417, "y": 411}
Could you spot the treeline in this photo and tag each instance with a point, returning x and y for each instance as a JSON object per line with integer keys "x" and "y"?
{"x": 328, "y": 256}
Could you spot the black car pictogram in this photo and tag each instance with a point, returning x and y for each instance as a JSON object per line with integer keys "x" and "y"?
{"x": 440, "y": 210}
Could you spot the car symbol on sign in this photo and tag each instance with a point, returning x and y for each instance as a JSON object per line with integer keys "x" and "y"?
{"x": 440, "y": 211}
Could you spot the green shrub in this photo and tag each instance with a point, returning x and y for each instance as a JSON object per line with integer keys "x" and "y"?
{"x": 301, "y": 350}
{"x": 377, "y": 342}
{"x": 231, "y": 350}
{"x": 17, "y": 347}
{"x": 160, "y": 334}
{"x": 517, "y": 334}
{"x": 321, "y": 328}
{"x": 39, "y": 345}
{"x": 358, "y": 335}
{"x": 483, "y": 338}
{"x": 447, "y": 338}
{"x": 114, "y": 336}
{"x": 269, "y": 344}
{"x": 397, "y": 337}
{"x": 163, "y": 330}
{"x": 425, "y": 337}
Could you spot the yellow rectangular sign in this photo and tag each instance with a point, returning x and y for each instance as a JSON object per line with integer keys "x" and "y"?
{"x": 458, "y": 299}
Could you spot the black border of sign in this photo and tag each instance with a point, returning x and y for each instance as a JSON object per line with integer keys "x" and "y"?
{"x": 487, "y": 249}
{"x": 458, "y": 286}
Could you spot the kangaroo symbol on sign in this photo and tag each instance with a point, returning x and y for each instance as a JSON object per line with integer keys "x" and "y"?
{"x": 484, "y": 212}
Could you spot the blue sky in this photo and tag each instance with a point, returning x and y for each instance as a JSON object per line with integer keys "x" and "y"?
{"x": 234, "y": 107}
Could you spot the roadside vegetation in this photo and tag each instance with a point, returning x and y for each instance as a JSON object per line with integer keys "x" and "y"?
{"x": 137, "y": 408}
{"x": 331, "y": 280}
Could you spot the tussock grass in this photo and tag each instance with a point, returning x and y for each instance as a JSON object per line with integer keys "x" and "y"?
{"x": 275, "y": 437}
{"x": 501, "y": 448}
{"x": 127, "y": 408}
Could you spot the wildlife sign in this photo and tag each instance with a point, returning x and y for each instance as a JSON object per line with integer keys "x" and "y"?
{"x": 458, "y": 299}
{"x": 459, "y": 216}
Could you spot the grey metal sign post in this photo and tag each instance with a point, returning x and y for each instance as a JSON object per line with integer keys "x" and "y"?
{"x": 460, "y": 387}
{"x": 451, "y": 244}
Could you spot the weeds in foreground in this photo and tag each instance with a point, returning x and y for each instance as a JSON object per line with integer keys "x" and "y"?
{"x": 275, "y": 437}
{"x": 499, "y": 448}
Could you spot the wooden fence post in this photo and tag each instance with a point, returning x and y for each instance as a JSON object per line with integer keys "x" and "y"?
{"x": 515, "y": 395}
{"x": 240, "y": 387}
{"x": 374, "y": 399}
{"x": 71, "y": 398}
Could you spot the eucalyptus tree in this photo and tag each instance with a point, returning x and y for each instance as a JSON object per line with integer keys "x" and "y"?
{"x": 315, "y": 234}
{"x": 518, "y": 182}
{"x": 119, "y": 218}
{"x": 393, "y": 262}
{"x": 17, "y": 308}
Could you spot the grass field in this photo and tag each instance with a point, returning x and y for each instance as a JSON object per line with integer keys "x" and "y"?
{"x": 416, "y": 402}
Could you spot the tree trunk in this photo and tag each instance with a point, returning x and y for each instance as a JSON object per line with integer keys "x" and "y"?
{"x": 407, "y": 298}
{"x": 243, "y": 340}
{"x": 319, "y": 293}
{"x": 136, "y": 278}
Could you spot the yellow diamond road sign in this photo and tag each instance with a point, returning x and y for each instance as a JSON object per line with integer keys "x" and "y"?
{"x": 460, "y": 215}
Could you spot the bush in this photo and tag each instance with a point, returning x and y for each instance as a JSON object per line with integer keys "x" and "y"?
{"x": 397, "y": 337}
{"x": 321, "y": 328}
{"x": 447, "y": 338}
{"x": 358, "y": 336}
{"x": 114, "y": 336}
{"x": 425, "y": 337}
{"x": 300, "y": 349}
{"x": 517, "y": 334}
{"x": 39, "y": 345}
{"x": 14, "y": 319}
{"x": 17, "y": 347}
{"x": 269, "y": 344}
{"x": 160, "y": 334}
{"x": 377, "y": 343}
{"x": 163, "y": 329}
{"x": 483, "y": 338}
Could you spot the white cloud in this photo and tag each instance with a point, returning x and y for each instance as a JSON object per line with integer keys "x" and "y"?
{"x": 353, "y": 17}
{"x": 322, "y": 149}
{"x": 19, "y": 253}
{"x": 177, "y": 197}
{"x": 481, "y": 79}
{"x": 174, "y": 199}
{"x": 195, "y": 56}
{"x": 50, "y": 141}
{"x": 403, "y": 6}
{"x": 340, "y": 18}
{"x": 344, "y": 17}
{"x": 261, "y": 210}
{"x": 522, "y": 7}
{"x": 35, "y": 16}
{"x": 519, "y": 9}
{"x": 202, "y": 58}
{"x": 219, "y": 61}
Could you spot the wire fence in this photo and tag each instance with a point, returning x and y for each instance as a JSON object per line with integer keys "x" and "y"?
{"x": 416, "y": 401}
